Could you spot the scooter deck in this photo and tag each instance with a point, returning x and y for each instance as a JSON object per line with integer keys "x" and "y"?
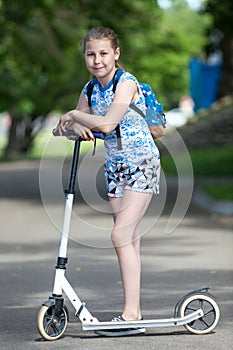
{"x": 169, "y": 322}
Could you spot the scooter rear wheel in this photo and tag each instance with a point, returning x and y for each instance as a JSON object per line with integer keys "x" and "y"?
{"x": 208, "y": 321}
{"x": 51, "y": 327}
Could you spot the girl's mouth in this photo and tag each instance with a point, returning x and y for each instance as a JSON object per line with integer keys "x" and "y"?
{"x": 98, "y": 68}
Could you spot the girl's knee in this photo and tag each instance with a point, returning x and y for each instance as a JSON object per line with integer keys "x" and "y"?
{"x": 116, "y": 239}
{"x": 122, "y": 238}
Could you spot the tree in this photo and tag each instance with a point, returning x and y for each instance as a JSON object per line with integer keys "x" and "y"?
{"x": 222, "y": 14}
{"x": 37, "y": 64}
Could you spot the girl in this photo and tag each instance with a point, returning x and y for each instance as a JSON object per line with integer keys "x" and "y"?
{"x": 132, "y": 173}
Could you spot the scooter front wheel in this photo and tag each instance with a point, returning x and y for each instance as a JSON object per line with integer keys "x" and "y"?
{"x": 208, "y": 321}
{"x": 51, "y": 327}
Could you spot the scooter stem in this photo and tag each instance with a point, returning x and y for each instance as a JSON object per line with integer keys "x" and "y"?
{"x": 62, "y": 254}
{"x": 74, "y": 166}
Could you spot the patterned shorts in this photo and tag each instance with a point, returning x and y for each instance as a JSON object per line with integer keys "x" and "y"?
{"x": 139, "y": 177}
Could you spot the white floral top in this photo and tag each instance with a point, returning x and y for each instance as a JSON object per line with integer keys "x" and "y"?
{"x": 136, "y": 139}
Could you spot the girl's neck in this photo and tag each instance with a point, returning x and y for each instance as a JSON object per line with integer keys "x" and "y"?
{"x": 106, "y": 80}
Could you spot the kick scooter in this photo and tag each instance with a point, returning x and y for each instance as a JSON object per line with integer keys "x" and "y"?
{"x": 197, "y": 311}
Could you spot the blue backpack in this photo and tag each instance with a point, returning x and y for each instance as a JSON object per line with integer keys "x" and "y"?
{"x": 154, "y": 110}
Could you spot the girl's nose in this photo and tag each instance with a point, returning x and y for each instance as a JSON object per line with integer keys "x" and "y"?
{"x": 97, "y": 59}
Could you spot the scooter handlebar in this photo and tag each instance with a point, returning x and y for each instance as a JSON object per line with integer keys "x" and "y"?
{"x": 97, "y": 135}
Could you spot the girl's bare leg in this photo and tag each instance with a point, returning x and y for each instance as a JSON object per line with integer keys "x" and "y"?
{"x": 128, "y": 212}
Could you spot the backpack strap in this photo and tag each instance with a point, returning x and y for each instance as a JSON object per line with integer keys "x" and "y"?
{"x": 137, "y": 109}
{"x": 90, "y": 88}
{"x": 116, "y": 78}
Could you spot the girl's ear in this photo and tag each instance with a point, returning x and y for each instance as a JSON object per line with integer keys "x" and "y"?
{"x": 117, "y": 53}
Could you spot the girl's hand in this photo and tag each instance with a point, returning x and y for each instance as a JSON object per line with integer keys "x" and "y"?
{"x": 82, "y": 131}
{"x": 68, "y": 122}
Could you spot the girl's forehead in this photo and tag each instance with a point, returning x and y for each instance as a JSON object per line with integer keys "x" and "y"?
{"x": 98, "y": 44}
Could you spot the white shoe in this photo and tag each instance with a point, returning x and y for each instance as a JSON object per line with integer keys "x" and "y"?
{"x": 120, "y": 332}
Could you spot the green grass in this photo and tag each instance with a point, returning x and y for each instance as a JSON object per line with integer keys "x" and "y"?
{"x": 2, "y": 144}
{"x": 206, "y": 162}
{"x": 214, "y": 161}
{"x": 220, "y": 191}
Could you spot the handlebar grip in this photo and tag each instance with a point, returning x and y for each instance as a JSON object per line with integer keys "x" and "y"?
{"x": 97, "y": 135}
{"x": 64, "y": 133}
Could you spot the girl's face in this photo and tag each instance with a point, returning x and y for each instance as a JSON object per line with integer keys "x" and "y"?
{"x": 100, "y": 59}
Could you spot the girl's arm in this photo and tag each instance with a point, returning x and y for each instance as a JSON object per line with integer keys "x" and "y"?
{"x": 125, "y": 93}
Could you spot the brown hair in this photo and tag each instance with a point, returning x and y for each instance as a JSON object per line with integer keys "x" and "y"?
{"x": 98, "y": 33}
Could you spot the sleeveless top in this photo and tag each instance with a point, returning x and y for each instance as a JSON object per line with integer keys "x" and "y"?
{"x": 136, "y": 139}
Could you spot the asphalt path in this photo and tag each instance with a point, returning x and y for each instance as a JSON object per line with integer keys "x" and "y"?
{"x": 198, "y": 253}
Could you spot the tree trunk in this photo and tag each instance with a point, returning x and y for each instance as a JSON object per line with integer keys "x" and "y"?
{"x": 9, "y": 149}
{"x": 20, "y": 137}
{"x": 226, "y": 82}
